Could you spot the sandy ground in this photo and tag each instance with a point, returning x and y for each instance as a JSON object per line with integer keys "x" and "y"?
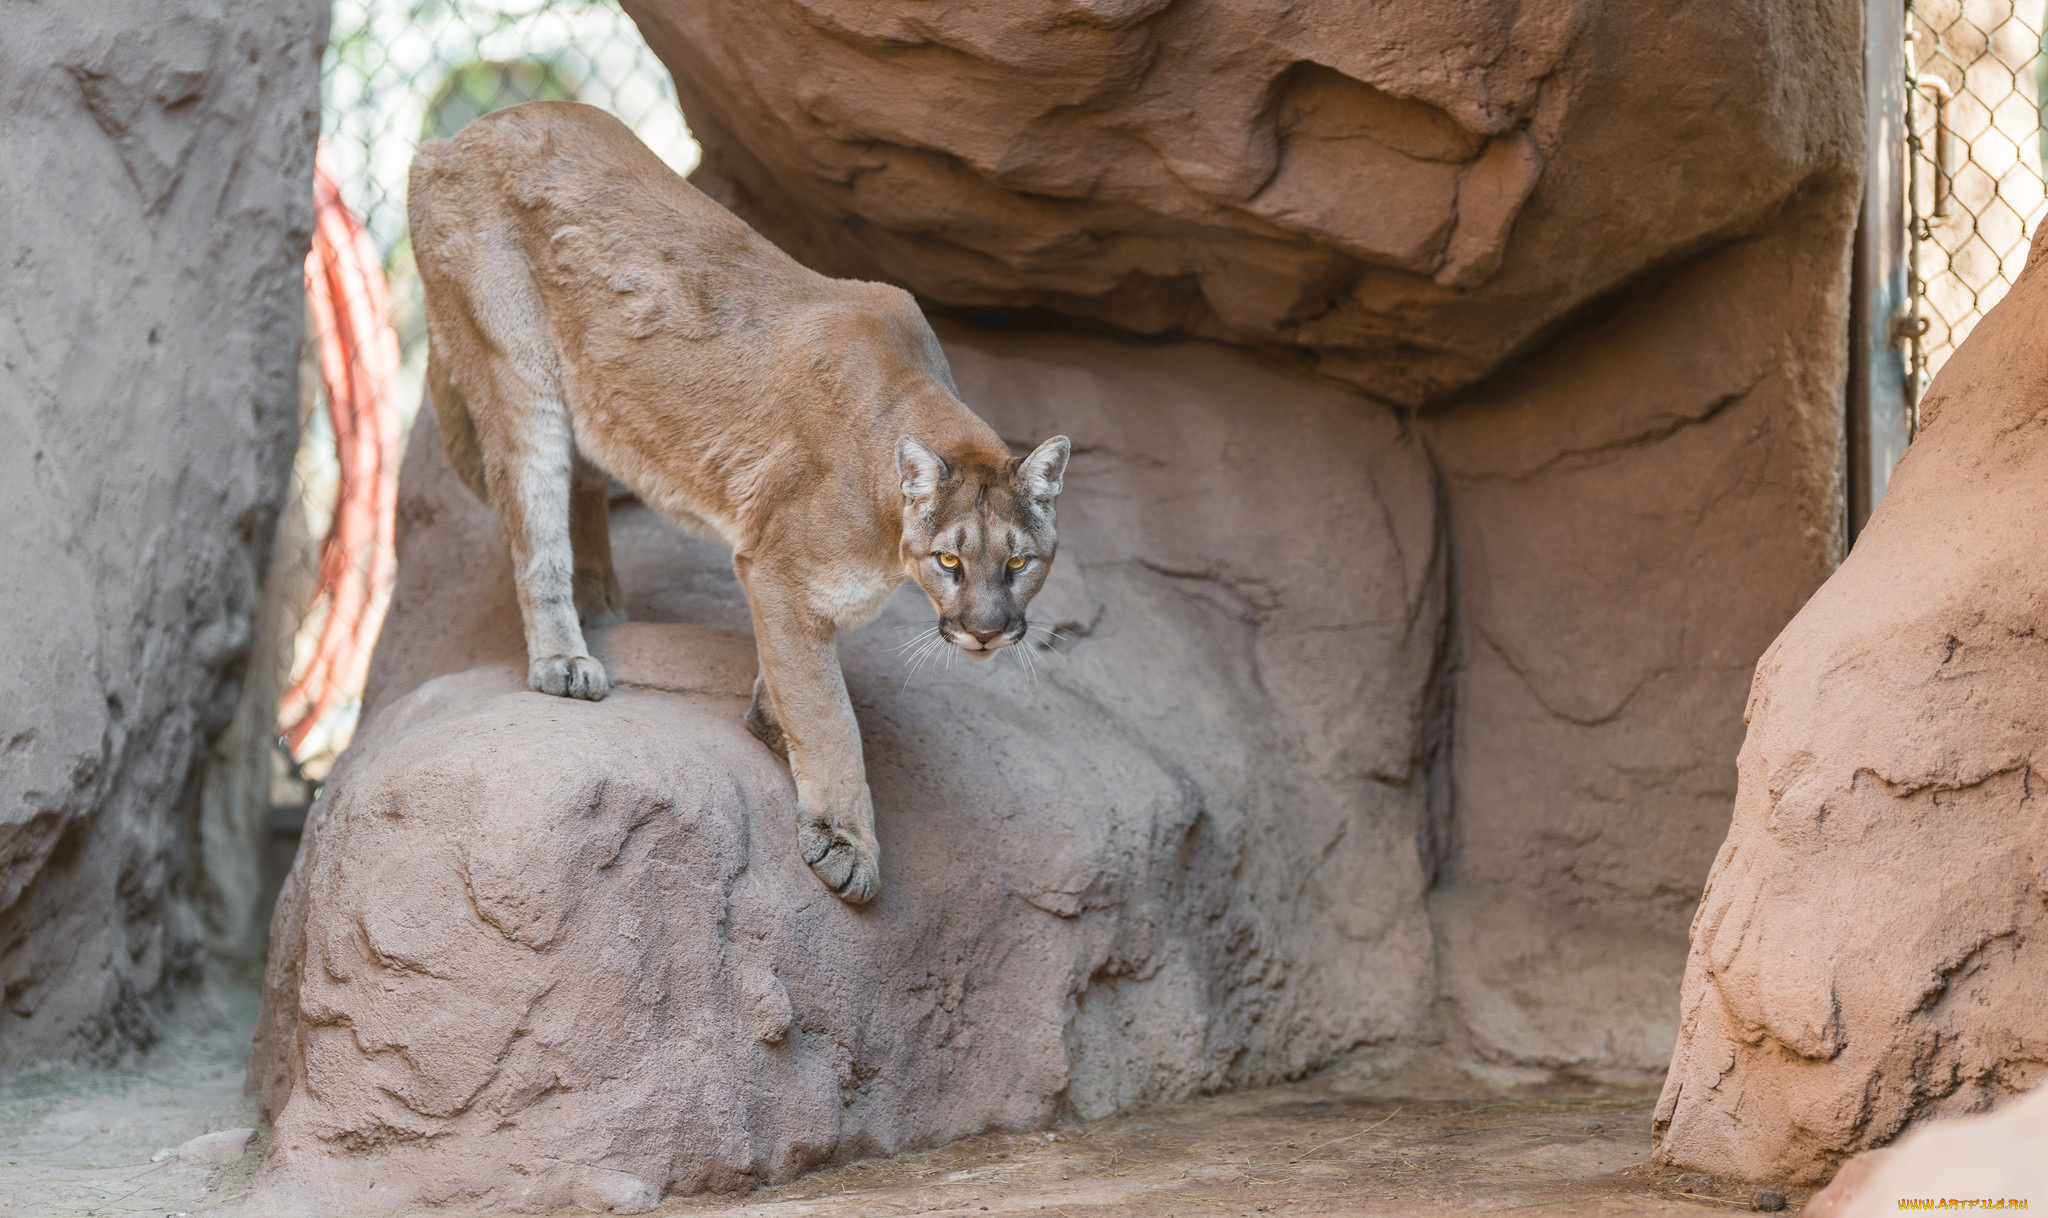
{"x": 76, "y": 1141}
{"x": 1392, "y": 1136}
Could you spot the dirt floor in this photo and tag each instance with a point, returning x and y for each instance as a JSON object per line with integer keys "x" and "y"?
{"x": 1377, "y": 1136}
{"x": 77, "y": 1141}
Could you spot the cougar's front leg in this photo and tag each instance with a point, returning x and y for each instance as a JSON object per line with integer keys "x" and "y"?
{"x": 804, "y": 696}
{"x": 529, "y": 471}
{"x": 598, "y": 599}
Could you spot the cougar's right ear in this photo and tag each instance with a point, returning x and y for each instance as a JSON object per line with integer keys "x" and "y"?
{"x": 920, "y": 468}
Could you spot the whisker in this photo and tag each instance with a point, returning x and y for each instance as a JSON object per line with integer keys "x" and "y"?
{"x": 916, "y": 664}
{"x": 917, "y": 638}
{"x": 918, "y": 651}
{"x": 1051, "y": 636}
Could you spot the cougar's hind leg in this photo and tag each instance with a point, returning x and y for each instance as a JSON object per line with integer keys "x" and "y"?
{"x": 497, "y": 364}
{"x": 598, "y": 599}
{"x": 761, "y": 720}
{"x": 530, "y": 471}
{"x": 453, "y": 421}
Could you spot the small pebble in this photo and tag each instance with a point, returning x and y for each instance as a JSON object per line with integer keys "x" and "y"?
{"x": 223, "y": 1147}
{"x": 1768, "y": 1202}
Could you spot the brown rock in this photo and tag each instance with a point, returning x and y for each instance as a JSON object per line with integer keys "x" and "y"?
{"x": 537, "y": 953}
{"x": 154, "y": 213}
{"x": 1407, "y": 193}
{"x": 1870, "y": 949}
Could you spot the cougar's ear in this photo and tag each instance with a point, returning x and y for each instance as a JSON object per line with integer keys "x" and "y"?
{"x": 920, "y": 468}
{"x": 1040, "y": 475}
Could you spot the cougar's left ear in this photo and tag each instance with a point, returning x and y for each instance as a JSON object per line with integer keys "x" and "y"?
{"x": 919, "y": 467}
{"x": 1040, "y": 475}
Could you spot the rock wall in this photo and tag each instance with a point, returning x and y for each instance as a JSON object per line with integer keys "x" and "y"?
{"x": 153, "y": 216}
{"x": 538, "y": 952}
{"x": 1873, "y": 942}
{"x": 1634, "y": 512}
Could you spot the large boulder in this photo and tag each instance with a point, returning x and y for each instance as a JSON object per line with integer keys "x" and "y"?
{"x": 1873, "y": 943}
{"x": 154, "y": 212}
{"x": 1408, "y": 194}
{"x": 537, "y": 952}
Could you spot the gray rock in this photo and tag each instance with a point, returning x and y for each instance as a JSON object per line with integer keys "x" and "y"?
{"x": 153, "y": 217}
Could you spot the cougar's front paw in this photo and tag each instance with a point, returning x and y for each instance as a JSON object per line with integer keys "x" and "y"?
{"x": 568, "y": 677}
{"x": 851, "y": 868}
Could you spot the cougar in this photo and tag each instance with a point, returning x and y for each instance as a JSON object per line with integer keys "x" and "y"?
{"x": 591, "y": 315}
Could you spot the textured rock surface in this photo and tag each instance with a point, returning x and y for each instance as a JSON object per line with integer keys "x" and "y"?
{"x": 538, "y": 953}
{"x": 1873, "y": 943}
{"x": 152, "y": 218}
{"x": 1407, "y": 193}
{"x": 1999, "y": 1156}
{"x": 1635, "y": 512}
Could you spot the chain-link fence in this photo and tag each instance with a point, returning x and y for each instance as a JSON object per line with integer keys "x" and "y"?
{"x": 399, "y": 72}
{"x": 1975, "y": 74}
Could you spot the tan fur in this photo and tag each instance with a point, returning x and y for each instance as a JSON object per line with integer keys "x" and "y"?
{"x": 590, "y": 315}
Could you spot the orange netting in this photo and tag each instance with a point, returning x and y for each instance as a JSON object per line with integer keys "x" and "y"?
{"x": 351, "y": 317}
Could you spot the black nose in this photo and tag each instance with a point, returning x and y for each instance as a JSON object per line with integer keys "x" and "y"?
{"x": 983, "y": 636}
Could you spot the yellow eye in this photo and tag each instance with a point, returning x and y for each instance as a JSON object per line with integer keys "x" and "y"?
{"x": 949, "y": 561}
{"x": 1017, "y": 562}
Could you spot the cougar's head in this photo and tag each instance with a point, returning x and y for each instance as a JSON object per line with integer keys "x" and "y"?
{"x": 978, "y": 537}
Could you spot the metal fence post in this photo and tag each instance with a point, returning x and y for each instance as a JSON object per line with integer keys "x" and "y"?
{"x": 1879, "y": 400}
